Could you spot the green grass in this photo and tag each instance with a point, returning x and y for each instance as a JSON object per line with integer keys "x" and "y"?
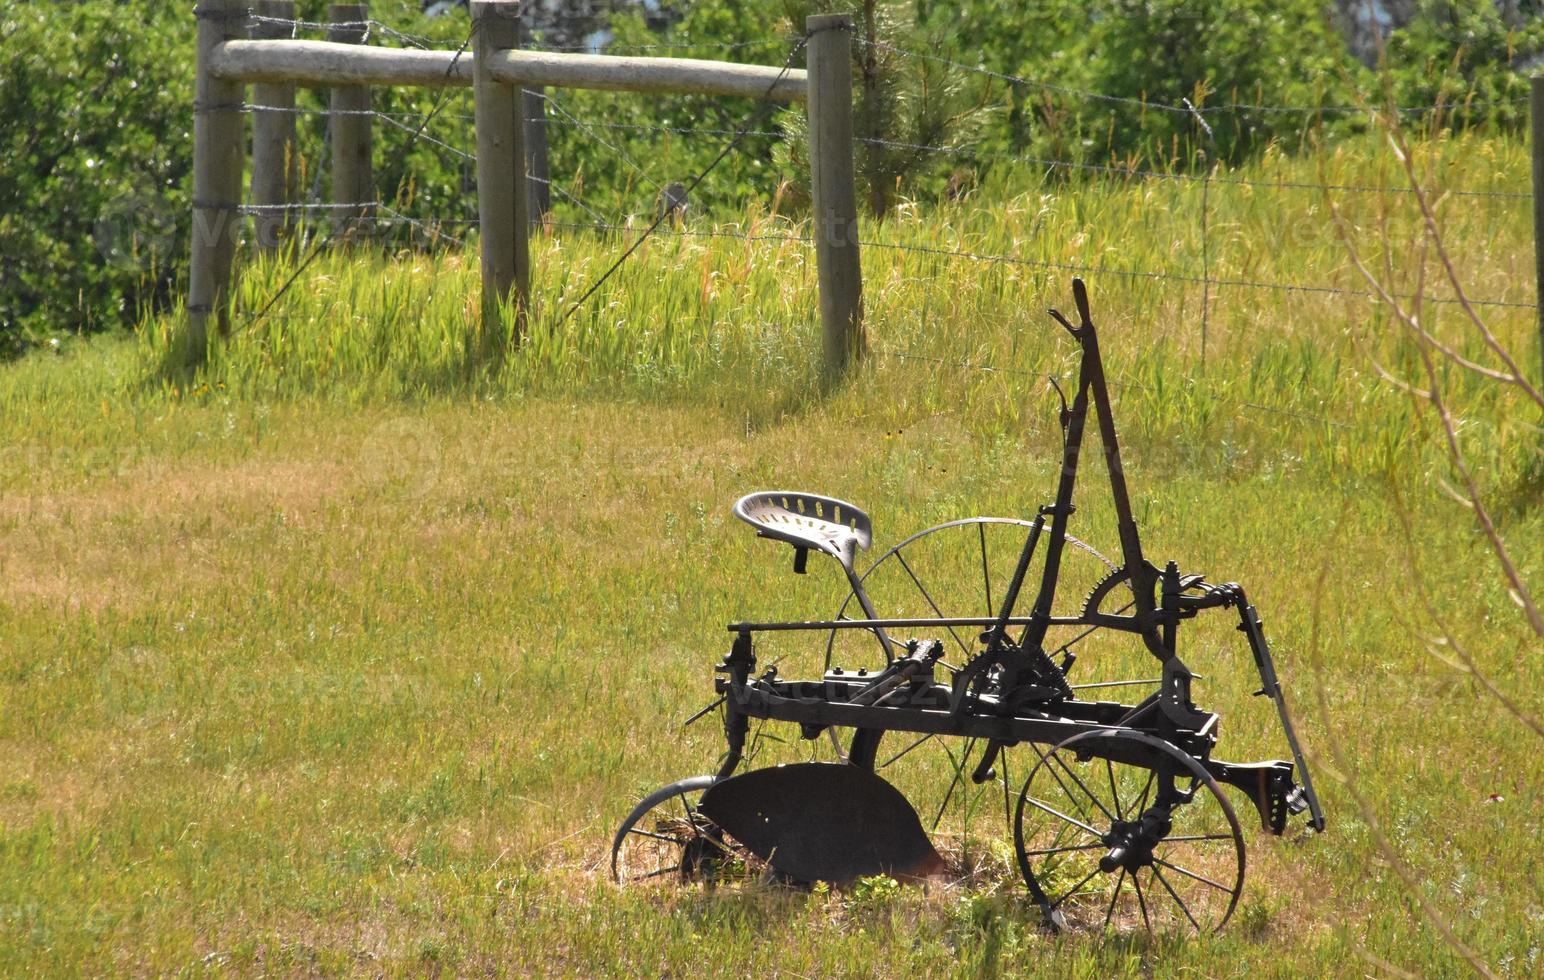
{"x": 347, "y": 658}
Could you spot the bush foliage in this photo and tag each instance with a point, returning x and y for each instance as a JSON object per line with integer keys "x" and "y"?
{"x": 96, "y": 116}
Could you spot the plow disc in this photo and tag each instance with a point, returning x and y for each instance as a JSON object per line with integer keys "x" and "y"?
{"x": 823, "y": 822}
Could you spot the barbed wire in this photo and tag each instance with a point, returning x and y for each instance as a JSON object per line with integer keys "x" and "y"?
{"x": 677, "y": 130}
{"x": 594, "y": 128}
{"x": 1171, "y": 276}
{"x": 1021, "y": 81}
{"x": 611, "y": 47}
{"x": 428, "y": 227}
{"x": 685, "y": 232}
{"x": 572, "y": 199}
{"x": 907, "y": 355}
{"x": 1112, "y": 169}
{"x": 621, "y": 154}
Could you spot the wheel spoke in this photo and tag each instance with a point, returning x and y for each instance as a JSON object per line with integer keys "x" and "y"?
{"x": 1081, "y": 785}
{"x": 959, "y": 769}
{"x": 1146, "y": 788}
{"x": 936, "y": 611}
{"x": 1057, "y": 813}
{"x": 1007, "y": 780}
{"x": 1075, "y": 888}
{"x": 1141, "y": 902}
{"x": 1086, "y": 634}
{"x": 1191, "y": 874}
{"x": 1044, "y": 851}
{"x": 1109, "y": 768}
{"x": 1110, "y": 911}
{"x": 1197, "y": 837}
{"x": 1045, "y": 763}
{"x": 1177, "y": 900}
{"x": 986, "y": 576}
{"x": 650, "y": 834}
{"x": 894, "y": 758}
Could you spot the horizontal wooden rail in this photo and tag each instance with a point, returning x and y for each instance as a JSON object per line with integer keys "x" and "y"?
{"x": 328, "y": 63}
{"x": 686, "y": 76}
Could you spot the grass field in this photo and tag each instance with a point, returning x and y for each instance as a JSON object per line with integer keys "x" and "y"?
{"x": 348, "y": 658}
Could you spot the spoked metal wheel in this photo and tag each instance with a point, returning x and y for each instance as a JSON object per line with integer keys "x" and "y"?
{"x": 665, "y": 838}
{"x": 1121, "y": 830}
{"x": 954, "y": 570}
{"x": 958, "y": 569}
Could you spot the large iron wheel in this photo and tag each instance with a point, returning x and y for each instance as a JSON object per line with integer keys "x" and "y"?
{"x": 666, "y": 838}
{"x": 956, "y": 569}
{"x": 1149, "y": 843}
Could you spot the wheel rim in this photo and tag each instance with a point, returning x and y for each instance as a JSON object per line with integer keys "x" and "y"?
{"x": 1100, "y": 847}
{"x": 955, "y": 569}
{"x": 665, "y": 838}
{"x": 959, "y": 568}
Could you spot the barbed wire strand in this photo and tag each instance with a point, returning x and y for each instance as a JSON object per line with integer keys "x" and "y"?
{"x": 701, "y": 175}
{"x": 326, "y": 240}
{"x": 1113, "y": 169}
{"x": 621, "y": 154}
{"x": 1019, "y": 80}
{"x": 907, "y": 355}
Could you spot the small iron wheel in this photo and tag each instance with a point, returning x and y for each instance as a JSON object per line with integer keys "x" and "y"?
{"x": 1121, "y": 830}
{"x": 666, "y": 838}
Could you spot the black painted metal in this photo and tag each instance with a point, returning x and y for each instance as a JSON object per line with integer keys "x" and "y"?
{"x": 1009, "y": 693}
{"x": 823, "y": 822}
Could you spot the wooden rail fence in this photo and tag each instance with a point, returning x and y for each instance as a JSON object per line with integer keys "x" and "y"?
{"x": 496, "y": 70}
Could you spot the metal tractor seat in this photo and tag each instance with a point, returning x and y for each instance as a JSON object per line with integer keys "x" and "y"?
{"x": 811, "y": 522}
{"x": 808, "y": 522}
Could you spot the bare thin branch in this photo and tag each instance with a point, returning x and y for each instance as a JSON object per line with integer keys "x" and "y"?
{"x": 1374, "y": 827}
{"x": 1434, "y": 234}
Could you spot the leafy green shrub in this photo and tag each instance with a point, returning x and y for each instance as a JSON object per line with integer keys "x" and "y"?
{"x": 95, "y": 135}
{"x": 1462, "y": 53}
{"x": 1098, "y": 72}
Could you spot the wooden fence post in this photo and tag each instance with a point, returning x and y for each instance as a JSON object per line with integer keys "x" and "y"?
{"x": 503, "y": 200}
{"x": 275, "y": 163}
{"x": 1536, "y": 109}
{"x": 833, "y": 191}
{"x": 353, "y": 173}
{"x": 219, "y": 152}
{"x": 536, "y": 153}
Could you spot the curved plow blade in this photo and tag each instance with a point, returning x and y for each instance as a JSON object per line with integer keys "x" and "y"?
{"x": 817, "y": 821}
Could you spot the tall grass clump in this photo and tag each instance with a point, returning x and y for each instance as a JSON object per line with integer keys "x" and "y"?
{"x": 1275, "y": 343}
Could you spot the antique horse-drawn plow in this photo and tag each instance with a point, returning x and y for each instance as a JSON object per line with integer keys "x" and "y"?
{"x": 1121, "y": 821}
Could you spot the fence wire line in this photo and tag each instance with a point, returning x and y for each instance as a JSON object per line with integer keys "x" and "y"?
{"x": 621, "y": 154}
{"x": 573, "y": 121}
{"x": 423, "y": 42}
{"x": 1020, "y": 80}
{"x": 728, "y": 147}
{"x": 323, "y": 242}
{"x": 423, "y": 226}
{"x": 603, "y": 223}
{"x": 678, "y": 130}
{"x": 395, "y": 119}
{"x": 683, "y": 232}
{"x": 999, "y": 259}
{"x": 1112, "y": 382}
{"x": 308, "y": 111}
{"x": 1174, "y": 277}
{"x": 1172, "y": 175}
